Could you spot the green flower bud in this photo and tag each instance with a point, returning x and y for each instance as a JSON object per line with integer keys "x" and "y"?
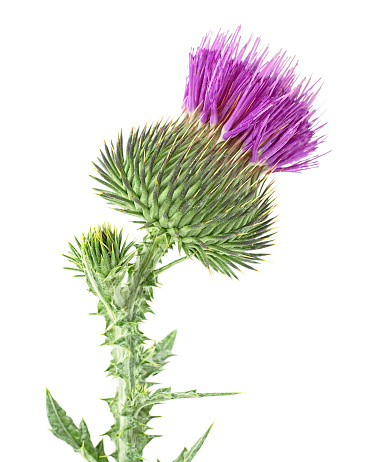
{"x": 180, "y": 179}
{"x": 103, "y": 258}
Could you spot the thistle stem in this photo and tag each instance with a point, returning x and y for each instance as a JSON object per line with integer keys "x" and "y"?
{"x": 128, "y": 341}
{"x": 170, "y": 265}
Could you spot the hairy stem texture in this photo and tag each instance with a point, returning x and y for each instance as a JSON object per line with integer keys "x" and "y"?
{"x": 132, "y": 360}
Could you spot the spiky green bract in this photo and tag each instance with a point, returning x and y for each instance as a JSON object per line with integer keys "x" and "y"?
{"x": 178, "y": 179}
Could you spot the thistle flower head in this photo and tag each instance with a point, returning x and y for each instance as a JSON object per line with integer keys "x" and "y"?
{"x": 255, "y": 100}
{"x": 200, "y": 180}
{"x": 177, "y": 180}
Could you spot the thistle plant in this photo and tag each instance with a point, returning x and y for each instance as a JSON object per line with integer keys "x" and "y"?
{"x": 199, "y": 183}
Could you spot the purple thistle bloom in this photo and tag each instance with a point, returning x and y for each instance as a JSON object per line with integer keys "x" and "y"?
{"x": 254, "y": 100}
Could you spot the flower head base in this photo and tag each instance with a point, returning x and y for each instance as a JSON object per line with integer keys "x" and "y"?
{"x": 254, "y": 100}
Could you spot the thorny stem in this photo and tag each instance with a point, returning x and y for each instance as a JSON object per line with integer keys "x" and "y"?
{"x": 127, "y": 388}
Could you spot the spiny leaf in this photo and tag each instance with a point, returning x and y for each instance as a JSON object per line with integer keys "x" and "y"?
{"x": 157, "y": 355}
{"x": 87, "y": 455}
{"x": 101, "y": 456}
{"x": 62, "y": 425}
{"x": 188, "y": 455}
{"x": 85, "y": 437}
{"x": 79, "y": 439}
{"x": 195, "y": 394}
{"x": 165, "y": 394}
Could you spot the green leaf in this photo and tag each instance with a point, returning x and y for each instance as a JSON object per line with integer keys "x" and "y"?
{"x": 78, "y": 438}
{"x": 164, "y": 394}
{"x": 101, "y": 456}
{"x": 181, "y": 458}
{"x": 62, "y": 425}
{"x": 89, "y": 457}
{"x": 157, "y": 355}
{"x": 87, "y": 450}
{"x": 165, "y": 345}
{"x": 195, "y": 394}
{"x": 163, "y": 349}
{"x": 86, "y": 437}
{"x": 188, "y": 455}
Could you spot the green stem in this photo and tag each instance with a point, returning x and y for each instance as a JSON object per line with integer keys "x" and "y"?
{"x": 127, "y": 338}
{"x": 170, "y": 265}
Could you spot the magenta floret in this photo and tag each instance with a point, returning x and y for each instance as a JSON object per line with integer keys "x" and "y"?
{"x": 255, "y": 100}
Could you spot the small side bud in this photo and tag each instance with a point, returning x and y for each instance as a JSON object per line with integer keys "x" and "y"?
{"x": 103, "y": 257}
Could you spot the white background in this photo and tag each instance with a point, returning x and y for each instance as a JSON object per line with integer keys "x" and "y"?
{"x": 297, "y": 336}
